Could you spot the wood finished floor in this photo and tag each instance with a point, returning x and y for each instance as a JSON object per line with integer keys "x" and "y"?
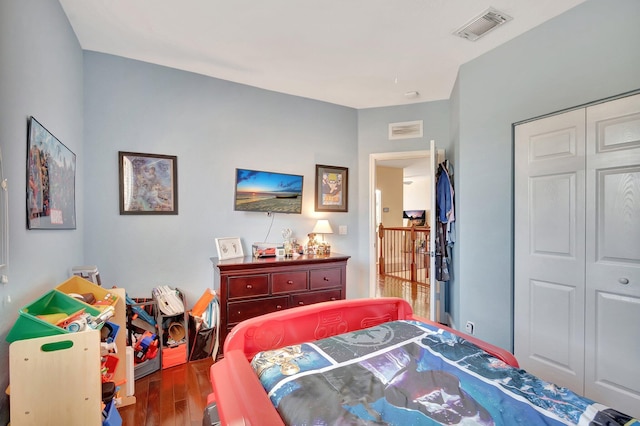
{"x": 417, "y": 294}
{"x": 177, "y": 396}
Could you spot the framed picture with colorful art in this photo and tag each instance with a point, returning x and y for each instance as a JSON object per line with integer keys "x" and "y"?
{"x": 148, "y": 183}
{"x": 51, "y": 180}
{"x": 332, "y": 184}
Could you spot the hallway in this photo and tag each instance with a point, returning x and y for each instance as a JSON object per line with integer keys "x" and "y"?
{"x": 417, "y": 294}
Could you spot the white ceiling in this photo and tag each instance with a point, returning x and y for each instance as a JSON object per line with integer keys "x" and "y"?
{"x": 357, "y": 53}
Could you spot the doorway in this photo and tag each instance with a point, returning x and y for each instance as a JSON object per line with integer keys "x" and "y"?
{"x": 416, "y": 180}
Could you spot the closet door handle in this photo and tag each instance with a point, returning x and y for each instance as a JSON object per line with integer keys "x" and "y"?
{"x": 623, "y": 280}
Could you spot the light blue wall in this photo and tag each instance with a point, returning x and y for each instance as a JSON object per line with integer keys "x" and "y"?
{"x": 588, "y": 53}
{"x": 212, "y": 126}
{"x": 40, "y": 75}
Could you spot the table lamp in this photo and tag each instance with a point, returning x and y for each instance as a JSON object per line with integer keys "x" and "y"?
{"x": 322, "y": 227}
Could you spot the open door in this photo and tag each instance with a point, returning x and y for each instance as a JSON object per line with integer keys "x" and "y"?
{"x": 436, "y": 288}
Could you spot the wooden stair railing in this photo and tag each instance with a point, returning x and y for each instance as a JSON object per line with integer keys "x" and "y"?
{"x": 404, "y": 252}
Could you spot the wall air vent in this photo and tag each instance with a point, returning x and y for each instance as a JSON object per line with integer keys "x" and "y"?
{"x": 405, "y": 130}
{"x": 481, "y": 25}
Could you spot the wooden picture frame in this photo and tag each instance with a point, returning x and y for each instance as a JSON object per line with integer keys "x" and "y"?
{"x": 51, "y": 180}
{"x": 332, "y": 183}
{"x": 229, "y": 248}
{"x": 148, "y": 183}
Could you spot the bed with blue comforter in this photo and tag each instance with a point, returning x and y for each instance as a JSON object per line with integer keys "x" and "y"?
{"x": 407, "y": 372}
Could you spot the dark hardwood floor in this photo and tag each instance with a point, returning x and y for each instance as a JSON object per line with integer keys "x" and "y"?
{"x": 177, "y": 396}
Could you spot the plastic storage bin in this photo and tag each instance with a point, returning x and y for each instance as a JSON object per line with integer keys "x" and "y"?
{"x": 137, "y": 310}
{"x": 173, "y": 329}
{"x": 29, "y": 326}
{"x": 81, "y": 286}
{"x": 174, "y": 356}
{"x": 112, "y": 416}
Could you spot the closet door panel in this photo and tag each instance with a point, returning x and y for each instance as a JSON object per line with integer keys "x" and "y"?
{"x": 614, "y": 368}
{"x": 618, "y": 216}
{"x": 612, "y": 341}
{"x": 549, "y": 248}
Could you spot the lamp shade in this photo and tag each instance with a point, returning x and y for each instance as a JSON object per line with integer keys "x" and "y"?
{"x": 322, "y": 227}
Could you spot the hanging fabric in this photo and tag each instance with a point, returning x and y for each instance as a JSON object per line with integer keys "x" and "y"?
{"x": 445, "y": 214}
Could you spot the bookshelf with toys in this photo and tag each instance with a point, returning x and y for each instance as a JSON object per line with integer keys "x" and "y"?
{"x": 56, "y": 341}
{"x": 172, "y": 326}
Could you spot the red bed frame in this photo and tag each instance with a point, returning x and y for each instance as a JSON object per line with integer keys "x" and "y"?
{"x": 237, "y": 392}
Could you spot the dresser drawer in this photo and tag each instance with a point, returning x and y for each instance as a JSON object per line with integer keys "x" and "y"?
{"x": 315, "y": 297}
{"x": 326, "y": 277}
{"x": 240, "y": 311}
{"x": 248, "y": 285}
{"x": 285, "y": 282}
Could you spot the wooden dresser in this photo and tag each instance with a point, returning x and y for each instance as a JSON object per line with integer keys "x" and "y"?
{"x": 248, "y": 287}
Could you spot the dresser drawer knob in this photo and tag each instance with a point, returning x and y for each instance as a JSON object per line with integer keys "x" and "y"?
{"x": 326, "y": 278}
{"x": 278, "y": 307}
{"x": 333, "y": 299}
{"x": 301, "y": 303}
{"x": 249, "y": 286}
{"x": 290, "y": 282}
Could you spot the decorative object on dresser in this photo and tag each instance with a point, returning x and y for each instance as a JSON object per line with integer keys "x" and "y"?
{"x": 229, "y": 248}
{"x": 322, "y": 227}
{"x": 249, "y": 286}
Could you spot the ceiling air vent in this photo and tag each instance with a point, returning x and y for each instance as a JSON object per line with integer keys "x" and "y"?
{"x": 405, "y": 130}
{"x": 481, "y": 25}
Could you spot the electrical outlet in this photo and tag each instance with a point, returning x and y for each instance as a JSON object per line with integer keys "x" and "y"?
{"x": 470, "y": 327}
{"x": 342, "y": 230}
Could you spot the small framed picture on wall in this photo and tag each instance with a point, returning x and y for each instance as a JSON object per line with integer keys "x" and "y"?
{"x": 332, "y": 183}
{"x": 148, "y": 183}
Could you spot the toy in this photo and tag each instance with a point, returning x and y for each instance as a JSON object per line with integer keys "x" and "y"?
{"x": 146, "y": 347}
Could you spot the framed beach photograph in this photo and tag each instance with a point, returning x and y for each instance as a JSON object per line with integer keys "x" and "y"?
{"x": 229, "y": 248}
{"x": 332, "y": 183}
{"x": 148, "y": 183}
{"x": 51, "y": 180}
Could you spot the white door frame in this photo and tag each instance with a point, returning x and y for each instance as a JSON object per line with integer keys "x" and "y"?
{"x": 373, "y": 159}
